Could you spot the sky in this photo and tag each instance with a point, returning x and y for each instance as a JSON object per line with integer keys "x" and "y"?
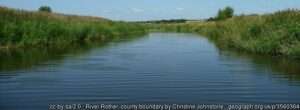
{"x": 141, "y": 10}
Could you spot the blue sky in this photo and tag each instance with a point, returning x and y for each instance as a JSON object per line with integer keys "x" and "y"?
{"x": 135, "y": 10}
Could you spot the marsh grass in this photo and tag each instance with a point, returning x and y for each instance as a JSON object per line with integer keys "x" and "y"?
{"x": 19, "y": 28}
{"x": 277, "y": 34}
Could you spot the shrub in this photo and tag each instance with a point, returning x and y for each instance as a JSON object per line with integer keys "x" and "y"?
{"x": 45, "y": 9}
{"x": 225, "y": 13}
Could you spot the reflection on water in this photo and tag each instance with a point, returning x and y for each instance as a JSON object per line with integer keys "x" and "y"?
{"x": 160, "y": 68}
{"x": 26, "y": 58}
{"x": 17, "y": 59}
{"x": 284, "y": 67}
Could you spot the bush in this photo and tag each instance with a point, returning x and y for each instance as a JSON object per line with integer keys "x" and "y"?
{"x": 225, "y": 13}
{"x": 45, "y": 9}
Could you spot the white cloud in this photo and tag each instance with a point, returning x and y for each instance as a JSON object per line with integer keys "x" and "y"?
{"x": 137, "y": 10}
{"x": 179, "y": 9}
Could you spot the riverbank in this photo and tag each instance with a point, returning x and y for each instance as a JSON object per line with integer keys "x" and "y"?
{"x": 19, "y": 28}
{"x": 184, "y": 66}
{"x": 276, "y": 34}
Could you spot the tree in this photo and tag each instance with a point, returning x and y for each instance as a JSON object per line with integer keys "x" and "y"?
{"x": 45, "y": 9}
{"x": 225, "y": 13}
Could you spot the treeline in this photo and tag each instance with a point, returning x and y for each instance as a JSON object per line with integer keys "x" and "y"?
{"x": 165, "y": 21}
{"x": 19, "y": 28}
{"x": 276, "y": 34}
{"x": 223, "y": 14}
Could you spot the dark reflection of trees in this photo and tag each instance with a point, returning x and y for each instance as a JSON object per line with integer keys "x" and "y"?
{"x": 289, "y": 68}
{"x": 24, "y": 58}
{"x": 15, "y": 59}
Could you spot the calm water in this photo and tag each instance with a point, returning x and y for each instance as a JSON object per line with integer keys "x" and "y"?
{"x": 160, "y": 68}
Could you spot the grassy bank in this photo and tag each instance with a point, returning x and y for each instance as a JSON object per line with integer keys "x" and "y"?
{"x": 277, "y": 34}
{"x": 19, "y": 28}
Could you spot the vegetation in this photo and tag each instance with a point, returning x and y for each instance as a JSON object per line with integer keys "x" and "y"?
{"x": 277, "y": 34}
{"x": 166, "y": 21}
{"x": 45, "y": 9}
{"x": 20, "y": 28}
{"x": 225, "y": 13}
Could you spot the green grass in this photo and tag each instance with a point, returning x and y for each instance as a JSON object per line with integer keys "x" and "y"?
{"x": 276, "y": 34}
{"x": 19, "y": 28}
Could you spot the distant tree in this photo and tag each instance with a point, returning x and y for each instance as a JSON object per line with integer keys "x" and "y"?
{"x": 211, "y": 19}
{"x": 225, "y": 13}
{"x": 45, "y": 9}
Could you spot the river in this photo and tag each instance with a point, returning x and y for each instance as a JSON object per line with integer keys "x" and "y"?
{"x": 159, "y": 68}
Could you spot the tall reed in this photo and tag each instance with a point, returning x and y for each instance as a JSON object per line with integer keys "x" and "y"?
{"x": 277, "y": 34}
{"x": 19, "y": 28}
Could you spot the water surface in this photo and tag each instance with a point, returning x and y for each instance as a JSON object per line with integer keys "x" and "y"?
{"x": 160, "y": 68}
